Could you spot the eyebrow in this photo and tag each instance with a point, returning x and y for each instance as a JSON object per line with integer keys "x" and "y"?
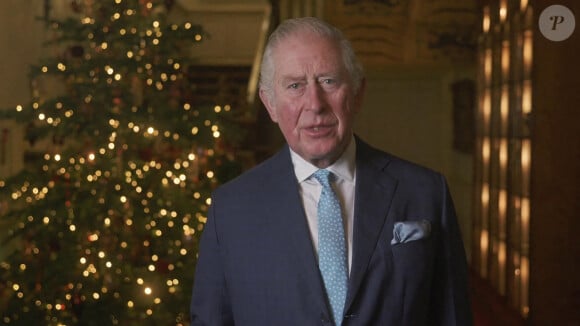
{"x": 291, "y": 79}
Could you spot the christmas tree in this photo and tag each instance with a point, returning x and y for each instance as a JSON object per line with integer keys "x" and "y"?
{"x": 106, "y": 213}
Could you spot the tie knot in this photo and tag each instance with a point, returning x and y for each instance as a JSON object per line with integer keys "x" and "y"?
{"x": 323, "y": 177}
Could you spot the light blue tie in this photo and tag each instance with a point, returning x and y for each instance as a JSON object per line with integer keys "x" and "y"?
{"x": 331, "y": 246}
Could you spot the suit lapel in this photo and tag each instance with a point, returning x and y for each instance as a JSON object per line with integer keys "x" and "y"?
{"x": 294, "y": 227}
{"x": 374, "y": 193}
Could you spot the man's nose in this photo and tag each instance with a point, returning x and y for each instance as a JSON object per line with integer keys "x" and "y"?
{"x": 314, "y": 97}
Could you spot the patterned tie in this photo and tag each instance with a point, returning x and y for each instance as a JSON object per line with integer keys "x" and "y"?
{"x": 331, "y": 246}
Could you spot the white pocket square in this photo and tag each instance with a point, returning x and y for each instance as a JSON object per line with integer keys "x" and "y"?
{"x": 410, "y": 231}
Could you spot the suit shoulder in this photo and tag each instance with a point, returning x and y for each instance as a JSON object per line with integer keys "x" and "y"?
{"x": 390, "y": 162}
{"x": 257, "y": 178}
{"x": 403, "y": 170}
{"x": 401, "y": 164}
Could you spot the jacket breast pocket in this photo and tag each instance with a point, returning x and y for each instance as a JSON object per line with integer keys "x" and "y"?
{"x": 413, "y": 260}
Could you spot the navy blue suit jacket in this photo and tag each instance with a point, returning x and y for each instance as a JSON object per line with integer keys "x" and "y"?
{"x": 257, "y": 265}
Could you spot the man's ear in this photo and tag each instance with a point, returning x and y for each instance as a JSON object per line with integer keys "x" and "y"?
{"x": 360, "y": 95}
{"x": 266, "y": 98}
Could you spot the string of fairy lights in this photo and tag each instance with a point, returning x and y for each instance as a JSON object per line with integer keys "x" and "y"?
{"x": 125, "y": 192}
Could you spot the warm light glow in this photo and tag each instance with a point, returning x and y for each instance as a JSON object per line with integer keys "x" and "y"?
{"x": 484, "y": 247}
{"x": 523, "y": 4}
{"x": 503, "y": 155}
{"x": 527, "y": 51}
{"x": 485, "y": 150}
{"x": 526, "y": 156}
{"x": 486, "y": 108}
{"x": 484, "y": 195}
{"x": 527, "y": 97}
{"x": 502, "y": 212}
{"x": 525, "y": 277}
{"x": 504, "y": 109}
{"x": 505, "y": 60}
{"x": 503, "y": 10}
{"x": 525, "y": 220}
{"x": 486, "y": 22}
{"x": 501, "y": 261}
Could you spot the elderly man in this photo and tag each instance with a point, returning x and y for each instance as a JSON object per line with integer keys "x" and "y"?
{"x": 328, "y": 231}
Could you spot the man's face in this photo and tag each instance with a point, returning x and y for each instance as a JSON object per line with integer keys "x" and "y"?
{"x": 312, "y": 97}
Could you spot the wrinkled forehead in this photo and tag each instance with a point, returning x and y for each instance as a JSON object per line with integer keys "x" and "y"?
{"x": 305, "y": 36}
{"x": 307, "y": 46}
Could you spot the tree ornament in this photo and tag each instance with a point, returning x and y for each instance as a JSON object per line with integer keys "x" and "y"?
{"x": 162, "y": 266}
{"x": 146, "y": 7}
{"x": 169, "y": 4}
{"x": 77, "y": 305}
{"x": 76, "y": 6}
{"x": 76, "y": 51}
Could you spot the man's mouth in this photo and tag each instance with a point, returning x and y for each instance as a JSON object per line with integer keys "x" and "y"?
{"x": 319, "y": 130}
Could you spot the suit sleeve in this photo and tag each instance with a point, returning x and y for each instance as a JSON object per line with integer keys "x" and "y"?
{"x": 210, "y": 304}
{"x": 450, "y": 302}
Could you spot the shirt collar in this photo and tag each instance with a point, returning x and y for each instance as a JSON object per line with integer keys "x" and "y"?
{"x": 343, "y": 168}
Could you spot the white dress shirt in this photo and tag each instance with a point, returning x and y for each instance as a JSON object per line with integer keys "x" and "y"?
{"x": 344, "y": 171}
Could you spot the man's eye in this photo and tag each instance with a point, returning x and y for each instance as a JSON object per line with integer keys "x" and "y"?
{"x": 328, "y": 81}
{"x": 294, "y": 85}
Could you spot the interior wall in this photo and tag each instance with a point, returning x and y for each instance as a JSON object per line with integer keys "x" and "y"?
{"x": 409, "y": 113}
{"x": 21, "y": 43}
{"x": 21, "y": 39}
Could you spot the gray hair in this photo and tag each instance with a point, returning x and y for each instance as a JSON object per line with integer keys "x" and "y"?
{"x": 317, "y": 26}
